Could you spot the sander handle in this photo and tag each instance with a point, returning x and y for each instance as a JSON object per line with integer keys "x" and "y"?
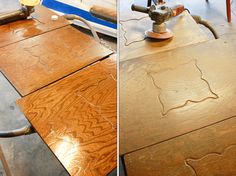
{"x": 140, "y": 8}
{"x": 104, "y": 13}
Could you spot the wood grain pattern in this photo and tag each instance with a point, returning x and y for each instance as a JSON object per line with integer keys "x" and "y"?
{"x": 76, "y": 117}
{"x": 36, "y": 62}
{"x": 207, "y": 152}
{"x": 39, "y": 23}
{"x": 168, "y": 94}
{"x": 133, "y": 42}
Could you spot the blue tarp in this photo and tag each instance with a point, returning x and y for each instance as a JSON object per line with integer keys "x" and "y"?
{"x": 67, "y": 9}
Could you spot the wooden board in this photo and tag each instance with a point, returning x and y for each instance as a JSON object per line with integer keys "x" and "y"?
{"x": 168, "y": 94}
{"x": 207, "y": 152}
{"x": 38, "y": 61}
{"x": 76, "y": 117}
{"x": 40, "y": 23}
{"x": 133, "y": 25}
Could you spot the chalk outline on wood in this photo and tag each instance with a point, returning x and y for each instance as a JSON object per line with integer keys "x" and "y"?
{"x": 165, "y": 112}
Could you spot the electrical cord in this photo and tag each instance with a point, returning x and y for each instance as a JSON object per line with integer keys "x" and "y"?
{"x": 205, "y": 23}
{"x": 75, "y": 17}
{"x": 199, "y": 20}
{"x": 187, "y": 10}
{"x": 95, "y": 35}
{"x": 27, "y": 130}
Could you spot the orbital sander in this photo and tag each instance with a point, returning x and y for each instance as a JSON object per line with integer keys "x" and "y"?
{"x": 160, "y": 13}
{"x": 27, "y": 7}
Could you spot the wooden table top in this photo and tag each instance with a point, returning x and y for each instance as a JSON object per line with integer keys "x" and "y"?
{"x": 133, "y": 42}
{"x": 38, "y": 61}
{"x": 72, "y": 101}
{"x": 76, "y": 118}
{"x": 169, "y": 94}
{"x": 206, "y": 152}
{"x": 40, "y": 23}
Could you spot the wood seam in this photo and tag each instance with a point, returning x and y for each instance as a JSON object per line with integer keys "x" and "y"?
{"x": 169, "y": 139}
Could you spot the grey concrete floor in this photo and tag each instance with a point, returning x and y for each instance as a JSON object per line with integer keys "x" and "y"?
{"x": 215, "y": 13}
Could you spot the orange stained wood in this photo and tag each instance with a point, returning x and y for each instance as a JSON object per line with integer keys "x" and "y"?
{"x": 206, "y": 152}
{"x": 169, "y": 94}
{"x": 133, "y": 42}
{"x": 76, "y": 117}
{"x": 39, "y": 23}
{"x": 38, "y": 61}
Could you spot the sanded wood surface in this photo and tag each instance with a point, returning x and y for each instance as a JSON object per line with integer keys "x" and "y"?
{"x": 76, "y": 117}
{"x": 133, "y": 42}
{"x": 207, "y": 152}
{"x": 39, "y": 23}
{"x": 38, "y": 61}
{"x": 172, "y": 93}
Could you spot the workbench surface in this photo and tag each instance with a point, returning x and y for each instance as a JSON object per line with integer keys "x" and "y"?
{"x": 40, "y": 23}
{"x": 38, "y": 61}
{"x": 77, "y": 120}
{"x": 68, "y": 84}
{"x": 209, "y": 151}
{"x": 178, "y": 93}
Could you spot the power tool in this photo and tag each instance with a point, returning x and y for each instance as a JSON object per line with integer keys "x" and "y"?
{"x": 27, "y": 7}
{"x": 160, "y": 13}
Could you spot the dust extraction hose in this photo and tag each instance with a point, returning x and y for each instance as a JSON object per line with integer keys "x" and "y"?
{"x": 75, "y": 17}
{"x": 18, "y": 132}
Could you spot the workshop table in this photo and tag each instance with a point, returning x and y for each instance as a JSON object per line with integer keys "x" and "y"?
{"x": 77, "y": 120}
{"x": 41, "y": 23}
{"x": 40, "y": 60}
{"x": 177, "y": 115}
{"x": 133, "y": 42}
{"x": 133, "y": 47}
{"x": 71, "y": 80}
{"x": 177, "y": 111}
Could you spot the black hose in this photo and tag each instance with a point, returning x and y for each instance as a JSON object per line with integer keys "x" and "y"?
{"x": 199, "y": 20}
{"x": 18, "y": 132}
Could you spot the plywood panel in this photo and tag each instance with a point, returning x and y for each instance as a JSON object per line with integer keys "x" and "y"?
{"x": 76, "y": 117}
{"x": 39, "y": 23}
{"x": 36, "y": 62}
{"x": 133, "y": 42}
{"x": 207, "y": 152}
{"x": 172, "y": 93}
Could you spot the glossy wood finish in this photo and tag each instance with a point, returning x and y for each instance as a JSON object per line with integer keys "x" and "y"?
{"x": 76, "y": 117}
{"x": 168, "y": 94}
{"x": 206, "y": 152}
{"x": 38, "y": 61}
{"x": 133, "y": 42}
{"x": 40, "y": 23}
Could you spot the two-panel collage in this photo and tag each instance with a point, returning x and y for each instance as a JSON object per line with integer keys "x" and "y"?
{"x": 117, "y": 88}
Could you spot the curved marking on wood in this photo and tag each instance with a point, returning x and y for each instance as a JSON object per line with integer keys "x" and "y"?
{"x": 125, "y": 32}
{"x": 39, "y": 59}
{"x": 165, "y": 112}
{"x": 206, "y": 156}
